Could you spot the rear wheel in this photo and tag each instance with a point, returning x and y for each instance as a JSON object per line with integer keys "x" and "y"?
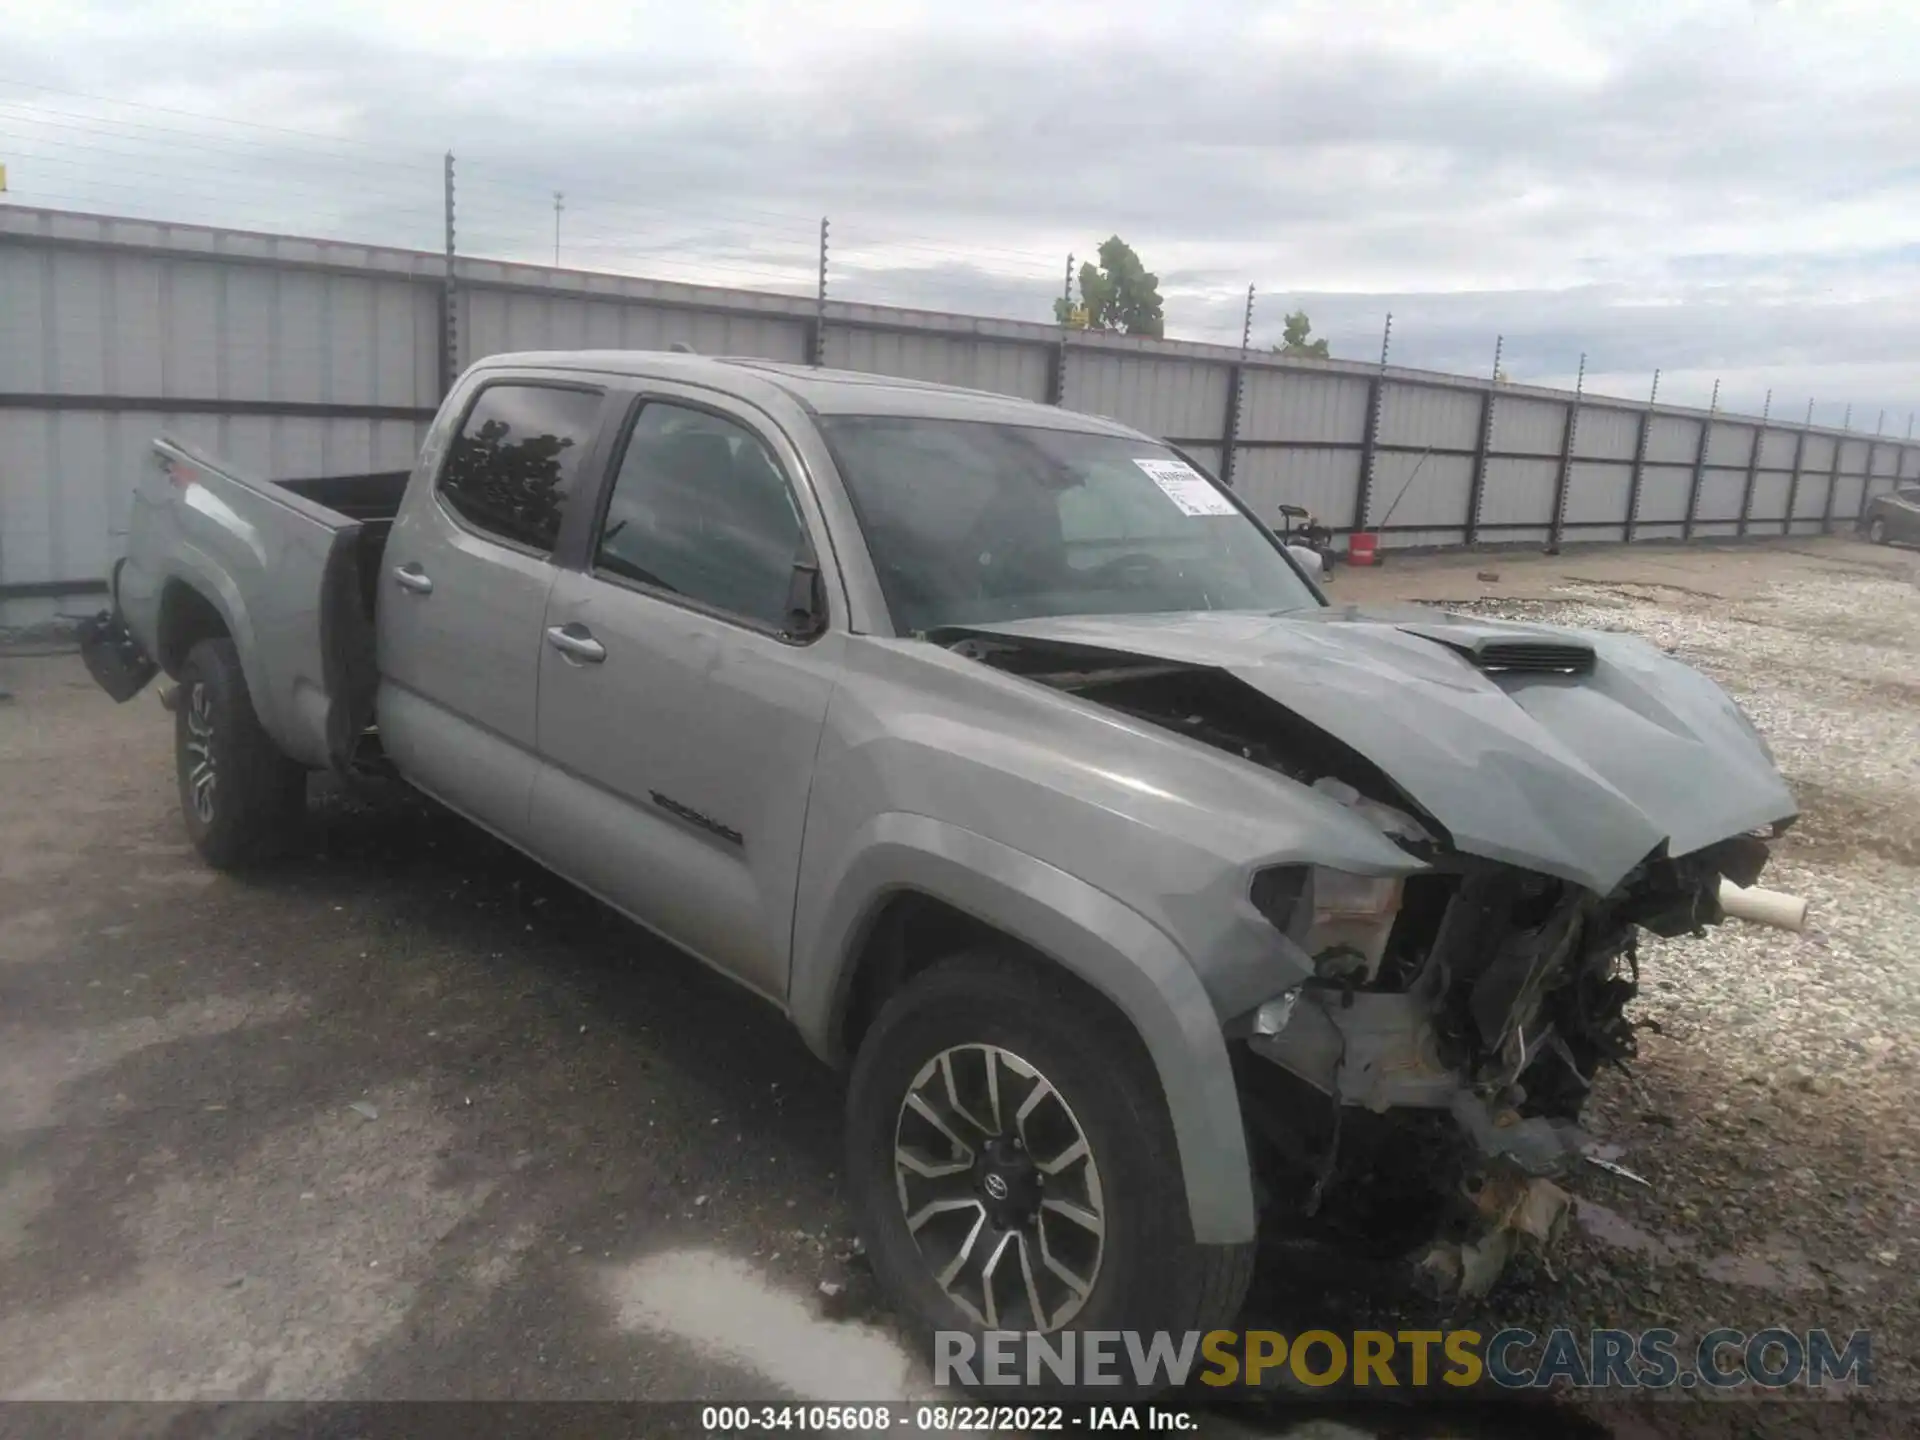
{"x": 240, "y": 797}
{"x": 1877, "y": 530}
{"x": 1013, "y": 1167}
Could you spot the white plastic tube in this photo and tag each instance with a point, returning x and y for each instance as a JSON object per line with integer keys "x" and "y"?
{"x": 1764, "y": 907}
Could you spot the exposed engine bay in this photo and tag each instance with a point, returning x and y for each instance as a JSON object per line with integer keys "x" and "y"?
{"x": 1457, "y": 1015}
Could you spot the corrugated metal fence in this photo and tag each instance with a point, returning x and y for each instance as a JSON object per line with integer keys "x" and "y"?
{"x": 303, "y": 357}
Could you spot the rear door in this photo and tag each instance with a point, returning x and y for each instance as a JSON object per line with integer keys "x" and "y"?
{"x": 678, "y": 718}
{"x": 463, "y": 591}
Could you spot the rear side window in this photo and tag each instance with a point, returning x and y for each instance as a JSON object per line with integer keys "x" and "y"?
{"x": 512, "y": 469}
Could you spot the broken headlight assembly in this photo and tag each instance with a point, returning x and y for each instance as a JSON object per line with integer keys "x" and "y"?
{"x": 1341, "y": 920}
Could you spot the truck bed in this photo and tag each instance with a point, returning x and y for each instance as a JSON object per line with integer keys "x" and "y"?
{"x": 291, "y": 568}
{"x": 373, "y": 500}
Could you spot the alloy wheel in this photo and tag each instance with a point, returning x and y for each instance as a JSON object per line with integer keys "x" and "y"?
{"x": 201, "y": 772}
{"x": 999, "y": 1188}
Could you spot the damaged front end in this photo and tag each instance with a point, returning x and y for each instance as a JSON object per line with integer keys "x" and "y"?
{"x": 1426, "y": 1064}
{"x": 1476, "y": 991}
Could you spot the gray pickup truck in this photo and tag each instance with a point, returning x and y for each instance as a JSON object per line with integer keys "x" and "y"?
{"x": 1145, "y": 893}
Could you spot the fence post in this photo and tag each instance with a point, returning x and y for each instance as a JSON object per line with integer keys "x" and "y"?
{"x": 1753, "y": 463}
{"x": 1793, "y": 485}
{"x": 1057, "y": 365}
{"x": 1833, "y": 473}
{"x": 1866, "y": 478}
{"x": 1376, "y": 394}
{"x": 1639, "y": 461}
{"x": 817, "y": 342}
{"x": 1236, "y": 382}
{"x": 1477, "y": 482}
{"x": 449, "y": 306}
{"x": 1558, "y": 527}
{"x": 1700, "y": 464}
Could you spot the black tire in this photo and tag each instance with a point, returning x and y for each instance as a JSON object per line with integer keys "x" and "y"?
{"x": 1877, "y": 530}
{"x": 1150, "y": 1273}
{"x": 242, "y": 800}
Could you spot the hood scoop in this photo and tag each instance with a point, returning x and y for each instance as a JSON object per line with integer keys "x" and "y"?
{"x": 1537, "y": 657}
{"x": 1504, "y": 652}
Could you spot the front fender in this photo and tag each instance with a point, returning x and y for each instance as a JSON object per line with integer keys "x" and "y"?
{"x": 1095, "y": 936}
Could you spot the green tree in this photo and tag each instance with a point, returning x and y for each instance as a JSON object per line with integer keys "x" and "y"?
{"x": 1118, "y": 294}
{"x": 1295, "y": 338}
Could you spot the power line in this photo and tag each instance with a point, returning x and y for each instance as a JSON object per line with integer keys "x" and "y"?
{"x": 27, "y": 112}
{"x": 195, "y": 115}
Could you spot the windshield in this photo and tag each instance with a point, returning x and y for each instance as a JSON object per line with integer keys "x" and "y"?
{"x": 971, "y": 523}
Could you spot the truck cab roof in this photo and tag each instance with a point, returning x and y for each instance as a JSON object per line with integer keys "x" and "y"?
{"x": 819, "y": 390}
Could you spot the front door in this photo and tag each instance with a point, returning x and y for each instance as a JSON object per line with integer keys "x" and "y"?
{"x": 464, "y": 584}
{"x": 678, "y": 717}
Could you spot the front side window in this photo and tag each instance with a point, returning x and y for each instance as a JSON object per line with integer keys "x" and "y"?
{"x": 973, "y": 523}
{"x": 512, "y": 468}
{"x": 701, "y": 510}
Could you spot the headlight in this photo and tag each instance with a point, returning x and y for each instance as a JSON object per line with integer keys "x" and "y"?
{"x": 1340, "y": 919}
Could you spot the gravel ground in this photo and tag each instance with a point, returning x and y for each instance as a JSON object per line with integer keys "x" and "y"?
{"x": 409, "y": 1117}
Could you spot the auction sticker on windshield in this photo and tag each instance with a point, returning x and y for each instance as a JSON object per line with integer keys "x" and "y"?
{"x": 1186, "y": 487}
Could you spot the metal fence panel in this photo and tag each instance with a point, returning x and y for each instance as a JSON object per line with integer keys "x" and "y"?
{"x": 1420, "y": 489}
{"x": 1663, "y": 492}
{"x": 1423, "y": 415}
{"x": 1293, "y": 405}
{"x": 1160, "y": 396}
{"x": 1517, "y": 492}
{"x": 1730, "y": 445}
{"x": 1607, "y": 434}
{"x": 1325, "y": 481}
{"x": 1720, "y": 492}
{"x": 1673, "y": 439}
{"x": 1818, "y": 456}
{"x": 1005, "y": 367}
{"x": 1776, "y": 449}
{"x": 1769, "y": 497}
{"x": 1597, "y": 494}
{"x": 305, "y": 357}
{"x": 1528, "y": 427}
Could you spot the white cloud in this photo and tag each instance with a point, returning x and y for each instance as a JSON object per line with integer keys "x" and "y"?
{"x": 1714, "y": 186}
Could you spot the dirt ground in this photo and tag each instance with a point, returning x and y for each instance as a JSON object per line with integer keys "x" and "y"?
{"x": 407, "y": 1117}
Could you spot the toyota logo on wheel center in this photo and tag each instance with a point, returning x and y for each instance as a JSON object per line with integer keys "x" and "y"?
{"x": 997, "y": 1187}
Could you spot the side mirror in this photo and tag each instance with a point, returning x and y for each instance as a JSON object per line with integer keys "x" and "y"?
{"x": 806, "y": 600}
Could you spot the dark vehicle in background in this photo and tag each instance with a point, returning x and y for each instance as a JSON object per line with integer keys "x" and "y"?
{"x": 1893, "y": 518}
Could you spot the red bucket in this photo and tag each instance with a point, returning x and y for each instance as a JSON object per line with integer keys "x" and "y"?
{"x": 1362, "y": 548}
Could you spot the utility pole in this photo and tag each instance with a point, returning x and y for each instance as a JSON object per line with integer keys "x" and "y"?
{"x": 559, "y": 204}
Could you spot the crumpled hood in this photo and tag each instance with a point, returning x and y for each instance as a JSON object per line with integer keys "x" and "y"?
{"x": 1578, "y": 776}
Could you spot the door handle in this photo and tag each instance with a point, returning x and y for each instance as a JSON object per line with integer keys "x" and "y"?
{"x": 412, "y": 577}
{"x": 576, "y": 642}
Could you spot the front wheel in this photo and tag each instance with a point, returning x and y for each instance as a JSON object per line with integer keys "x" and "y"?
{"x": 1012, "y": 1165}
{"x": 240, "y": 797}
{"x": 1877, "y": 530}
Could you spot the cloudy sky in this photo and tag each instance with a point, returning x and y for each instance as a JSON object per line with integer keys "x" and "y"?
{"x": 1728, "y": 188}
